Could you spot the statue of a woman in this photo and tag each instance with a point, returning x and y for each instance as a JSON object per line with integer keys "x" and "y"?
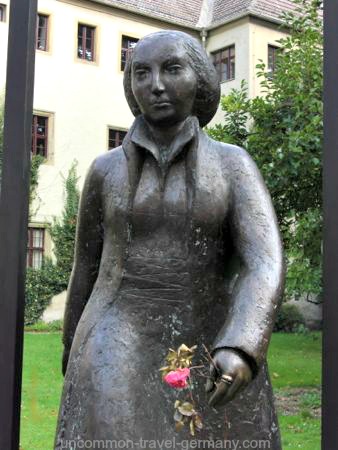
{"x": 160, "y": 219}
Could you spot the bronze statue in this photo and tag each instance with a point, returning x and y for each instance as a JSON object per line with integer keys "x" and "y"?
{"x": 162, "y": 220}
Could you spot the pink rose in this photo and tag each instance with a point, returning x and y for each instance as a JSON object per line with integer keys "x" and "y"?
{"x": 177, "y": 378}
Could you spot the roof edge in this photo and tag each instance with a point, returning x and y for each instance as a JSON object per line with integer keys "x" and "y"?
{"x": 196, "y": 27}
{"x": 241, "y": 16}
{"x": 146, "y": 14}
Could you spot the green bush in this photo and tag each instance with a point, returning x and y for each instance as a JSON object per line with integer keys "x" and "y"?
{"x": 41, "y": 286}
{"x": 43, "y": 327}
{"x": 289, "y": 319}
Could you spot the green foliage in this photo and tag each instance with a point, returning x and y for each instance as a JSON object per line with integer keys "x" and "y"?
{"x": 283, "y": 131}
{"x": 41, "y": 286}
{"x": 52, "y": 278}
{"x": 36, "y": 161}
{"x": 63, "y": 231}
{"x": 43, "y": 327}
{"x": 237, "y": 107}
{"x": 288, "y": 319}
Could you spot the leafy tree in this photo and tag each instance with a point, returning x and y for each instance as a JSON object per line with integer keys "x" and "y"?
{"x": 283, "y": 131}
{"x": 63, "y": 231}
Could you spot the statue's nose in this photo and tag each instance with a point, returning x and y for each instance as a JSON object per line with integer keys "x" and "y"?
{"x": 157, "y": 84}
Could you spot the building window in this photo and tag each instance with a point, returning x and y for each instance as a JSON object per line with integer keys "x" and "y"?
{"x": 40, "y": 135}
{"x": 224, "y": 62}
{"x": 41, "y": 32}
{"x": 2, "y": 12}
{"x": 272, "y": 54}
{"x": 128, "y": 43}
{"x": 85, "y": 42}
{"x": 115, "y": 138}
{"x": 35, "y": 247}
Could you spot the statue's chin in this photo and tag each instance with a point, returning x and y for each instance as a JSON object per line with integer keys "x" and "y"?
{"x": 165, "y": 120}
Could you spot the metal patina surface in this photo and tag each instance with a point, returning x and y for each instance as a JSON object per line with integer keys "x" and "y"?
{"x": 162, "y": 218}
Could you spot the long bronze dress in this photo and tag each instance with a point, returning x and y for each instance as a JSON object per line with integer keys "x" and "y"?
{"x": 166, "y": 236}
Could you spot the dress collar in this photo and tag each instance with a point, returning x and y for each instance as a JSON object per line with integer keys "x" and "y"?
{"x": 141, "y": 136}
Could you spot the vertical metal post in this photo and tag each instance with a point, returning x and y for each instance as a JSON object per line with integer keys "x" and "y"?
{"x": 330, "y": 335}
{"x": 14, "y": 212}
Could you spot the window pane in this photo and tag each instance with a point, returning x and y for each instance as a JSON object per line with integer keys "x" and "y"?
{"x": 2, "y": 13}
{"x": 127, "y": 45}
{"x": 40, "y": 135}
{"x": 115, "y": 138}
{"x": 224, "y": 62}
{"x": 85, "y": 42}
{"x": 38, "y": 238}
{"x": 41, "y": 33}
{"x": 272, "y": 53}
{"x": 37, "y": 259}
{"x": 35, "y": 248}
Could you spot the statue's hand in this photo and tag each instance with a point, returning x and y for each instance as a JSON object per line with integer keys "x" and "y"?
{"x": 65, "y": 358}
{"x": 227, "y": 362}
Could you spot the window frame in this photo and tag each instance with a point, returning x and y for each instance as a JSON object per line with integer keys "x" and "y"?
{"x": 135, "y": 40}
{"x": 35, "y": 135}
{"x": 230, "y": 73}
{"x": 31, "y": 249}
{"x": 115, "y": 130}
{"x": 275, "y": 49}
{"x": 46, "y": 48}
{"x": 3, "y": 12}
{"x": 93, "y": 28}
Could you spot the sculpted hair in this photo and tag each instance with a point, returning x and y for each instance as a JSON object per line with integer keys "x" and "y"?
{"x": 208, "y": 89}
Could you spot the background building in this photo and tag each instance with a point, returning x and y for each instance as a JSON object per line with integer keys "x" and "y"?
{"x": 81, "y": 47}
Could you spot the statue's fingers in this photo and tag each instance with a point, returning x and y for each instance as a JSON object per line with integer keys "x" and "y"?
{"x": 234, "y": 388}
{"x": 210, "y": 384}
{"x": 219, "y": 393}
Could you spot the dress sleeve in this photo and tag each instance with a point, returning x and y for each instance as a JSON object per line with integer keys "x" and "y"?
{"x": 88, "y": 248}
{"x": 259, "y": 286}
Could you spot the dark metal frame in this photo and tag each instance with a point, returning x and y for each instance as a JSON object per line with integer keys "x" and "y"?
{"x": 330, "y": 190}
{"x": 14, "y": 212}
{"x": 14, "y": 215}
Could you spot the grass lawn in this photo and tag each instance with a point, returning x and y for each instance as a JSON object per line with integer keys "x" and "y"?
{"x": 294, "y": 361}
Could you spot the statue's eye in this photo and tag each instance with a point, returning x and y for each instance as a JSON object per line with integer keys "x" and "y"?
{"x": 141, "y": 73}
{"x": 174, "y": 68}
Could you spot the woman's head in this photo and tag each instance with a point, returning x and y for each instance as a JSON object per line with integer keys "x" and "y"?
{"x": 169, "y": 76}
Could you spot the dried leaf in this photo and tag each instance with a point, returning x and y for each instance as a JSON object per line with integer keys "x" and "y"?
{"x": 183, "y": 348}
{"x": 177, "y": 404}
{"x": 198, "y": 422}
{"x": 192, "y": 427}
{"x": 187, "y": 409}
{"x": 179, "y": 426}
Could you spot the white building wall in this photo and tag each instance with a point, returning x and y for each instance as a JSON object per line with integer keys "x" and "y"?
{"x": 83, "y": 98}
{"x": 236, "y": 33}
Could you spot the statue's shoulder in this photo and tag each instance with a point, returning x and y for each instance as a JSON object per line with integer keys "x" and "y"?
{"x": 230, "y": 156}
{"x": 107, "y": 162}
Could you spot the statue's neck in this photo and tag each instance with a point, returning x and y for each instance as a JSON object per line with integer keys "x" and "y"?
{"x": 164, "y": 136}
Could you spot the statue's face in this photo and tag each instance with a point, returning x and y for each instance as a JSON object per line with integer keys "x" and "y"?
{"x": 163, "y": 81}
